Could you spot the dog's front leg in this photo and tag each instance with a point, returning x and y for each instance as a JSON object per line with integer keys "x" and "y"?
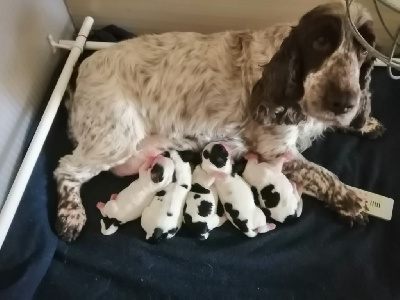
{"x": 372, "y": 129}
{"x": 325, "y": 186}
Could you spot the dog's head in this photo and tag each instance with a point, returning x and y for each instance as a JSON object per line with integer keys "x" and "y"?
{"x": 320, "y": 70}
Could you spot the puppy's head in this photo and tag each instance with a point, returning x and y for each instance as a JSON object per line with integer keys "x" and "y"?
{"x": 162, "y": 170}
{"x": 216, "y": 158}
{"x": 320, "y": 71}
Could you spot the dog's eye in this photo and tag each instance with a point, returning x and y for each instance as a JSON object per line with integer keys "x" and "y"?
{"x": 321, "y": 44}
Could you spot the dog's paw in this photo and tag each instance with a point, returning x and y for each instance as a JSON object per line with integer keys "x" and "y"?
{"x": 352, "y": 208}
{"x": 372, "y": 129}
{"x": 70, "y": 221}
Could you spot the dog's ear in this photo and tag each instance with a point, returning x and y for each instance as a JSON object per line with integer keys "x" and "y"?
{"x": 366, "y": 31}
{"x": 363, "y": 123}
{"x": 365, "y": 100}
{"x": 274, "y": 98}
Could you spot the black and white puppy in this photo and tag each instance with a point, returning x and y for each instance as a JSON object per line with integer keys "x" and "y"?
{"x": 279, "y": 198}
{"x": 203, "y": 212}
{"x": 128, "y": 205}
{"x": 163, "y": 217}
{"x": 234, "y": 193}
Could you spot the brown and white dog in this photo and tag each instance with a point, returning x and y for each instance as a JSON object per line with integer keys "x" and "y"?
{"x": 270, "y": 91}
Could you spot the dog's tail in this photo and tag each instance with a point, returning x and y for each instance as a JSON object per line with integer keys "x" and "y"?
{"x": 113, "y": 225}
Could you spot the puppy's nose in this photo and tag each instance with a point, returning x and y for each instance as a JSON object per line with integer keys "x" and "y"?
{"x": 341, "y": 103}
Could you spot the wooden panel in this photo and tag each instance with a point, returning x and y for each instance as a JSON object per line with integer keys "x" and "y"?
{"x": 156, "y": 16}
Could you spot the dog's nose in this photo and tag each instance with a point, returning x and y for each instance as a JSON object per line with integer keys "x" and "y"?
{"x": 341, "y": 103}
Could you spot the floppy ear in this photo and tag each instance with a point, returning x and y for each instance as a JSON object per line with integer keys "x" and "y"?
{"x": 364, "y": 124}
{"x": 274, "y": 98}
{"x": 192, "y": 157}
{"x": 365, "y": 101}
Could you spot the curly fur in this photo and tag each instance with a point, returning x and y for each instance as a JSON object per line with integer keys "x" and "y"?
{"x": 265, "y": 91}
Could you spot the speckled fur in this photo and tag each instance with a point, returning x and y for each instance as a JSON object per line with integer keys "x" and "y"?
{"x": 193, "y": 88}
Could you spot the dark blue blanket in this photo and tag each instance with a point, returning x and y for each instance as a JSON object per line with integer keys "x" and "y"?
{"x": 316, "y": 258}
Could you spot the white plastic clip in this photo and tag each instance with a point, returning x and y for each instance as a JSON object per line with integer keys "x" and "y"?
{"x": 378, "y": 206}
{"x": 54, "y": 45}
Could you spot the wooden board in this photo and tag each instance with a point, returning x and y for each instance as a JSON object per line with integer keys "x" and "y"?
{"x": 156, "y": 16}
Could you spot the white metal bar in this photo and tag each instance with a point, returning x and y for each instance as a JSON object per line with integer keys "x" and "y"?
{"x": 88, "y": 46}
{"x": 368, "y": 47}
{"x": 25, "y": 171}
{"x": 379, "y": 63}
{"x": 67, "y": 44}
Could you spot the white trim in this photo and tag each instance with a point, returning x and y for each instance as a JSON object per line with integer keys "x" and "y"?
{"x": 25, "y": 171}
{"x": 89, "y": 45}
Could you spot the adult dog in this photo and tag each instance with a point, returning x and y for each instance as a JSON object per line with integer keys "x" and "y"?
{"x": 269, "y": 91}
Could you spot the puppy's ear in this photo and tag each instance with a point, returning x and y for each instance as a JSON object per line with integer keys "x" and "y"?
{"x": 239, "y": 166}
{"x": 274, "y": 98}
{"x": 187, "y": 155}
{"x": 166, "y": 154}
{"x": 192, "y": 157}
{"x": 206, "y": 154}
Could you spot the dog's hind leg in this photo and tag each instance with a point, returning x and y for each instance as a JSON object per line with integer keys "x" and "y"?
{"x": 103, "y": 143}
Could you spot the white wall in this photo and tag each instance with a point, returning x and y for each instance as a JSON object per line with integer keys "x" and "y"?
{"x": 146, "y": 16}
{"x": 26, "y": 67}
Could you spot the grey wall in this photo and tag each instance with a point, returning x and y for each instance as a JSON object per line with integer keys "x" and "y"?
{"x": 26, "y": 67}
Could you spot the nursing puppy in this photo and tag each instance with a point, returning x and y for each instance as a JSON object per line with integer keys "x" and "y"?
{"x": 272, "y": 190}
{"x": 163, "y": 217}
{"x": 202, "y": 212}
{"x": 234, "y": 193}
{"x": 128, "y": 205}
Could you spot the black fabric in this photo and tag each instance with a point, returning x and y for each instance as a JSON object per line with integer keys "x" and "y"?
{"x": 318, "y": 257}
{"x": 111, "y": 34}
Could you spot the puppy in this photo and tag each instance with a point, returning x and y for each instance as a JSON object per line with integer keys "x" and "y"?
{"x": 163, "y": 217}
{"x": 203, "y": 212}
{"x": 274, "y": 193}
{"x": 128, "y": 205}
{"x": 234, "y": 193}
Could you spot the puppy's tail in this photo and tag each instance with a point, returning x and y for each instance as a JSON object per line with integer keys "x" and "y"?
{"x": 112, "y": 228}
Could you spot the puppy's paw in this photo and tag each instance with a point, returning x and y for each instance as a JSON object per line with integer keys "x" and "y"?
{"x": 70, "y": 220}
